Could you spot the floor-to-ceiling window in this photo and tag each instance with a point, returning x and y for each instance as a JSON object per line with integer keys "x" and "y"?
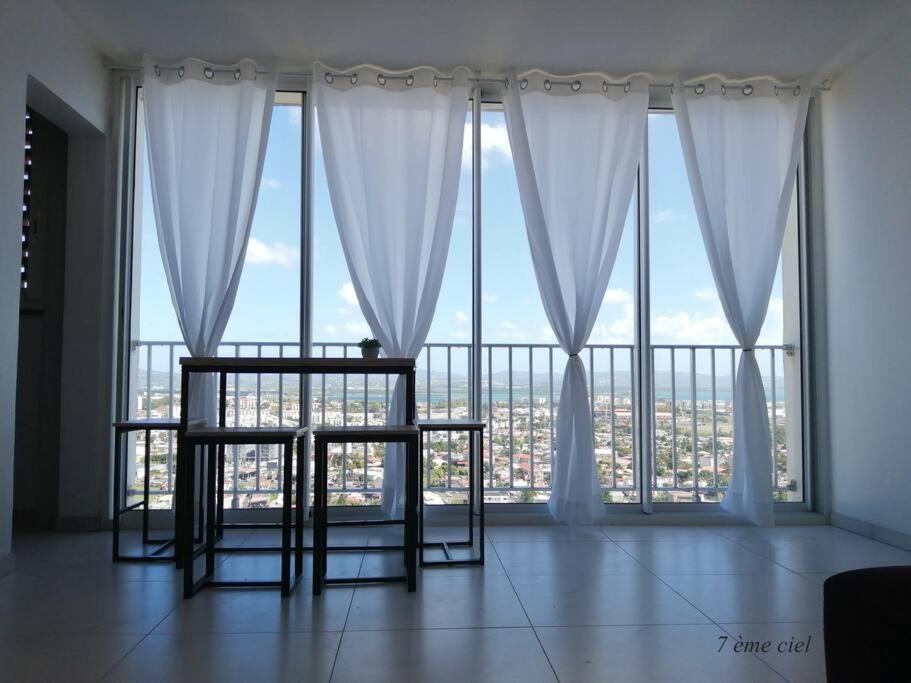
{"x": 691, "y": 347}
{"x": 522, "y": 364}
{"x": 443, "y": 366}
{"x": 694, "y": 351}
{"x": 265, "y": 319}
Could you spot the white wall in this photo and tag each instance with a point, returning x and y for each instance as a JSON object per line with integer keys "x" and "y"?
{"x": 36, "y": 40}
{"x": 866, "y": 150}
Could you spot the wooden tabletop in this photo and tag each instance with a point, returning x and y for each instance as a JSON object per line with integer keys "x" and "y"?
{"x": 453, "y": 424}
{"x": 347, "y": 432}
{"x": 374, "y": 366}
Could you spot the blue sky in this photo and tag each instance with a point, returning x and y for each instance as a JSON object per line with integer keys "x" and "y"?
{"x": 685, "y": 307}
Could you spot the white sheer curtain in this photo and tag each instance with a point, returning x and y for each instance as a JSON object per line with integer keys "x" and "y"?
{"x": 206, "y": 127}
{"x": 741, "y": 145}
{"x": 392, "y": 144}
{"x": 576, "y": 143}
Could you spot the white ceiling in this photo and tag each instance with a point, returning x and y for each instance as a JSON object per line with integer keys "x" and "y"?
{"x": 786, "y": 38}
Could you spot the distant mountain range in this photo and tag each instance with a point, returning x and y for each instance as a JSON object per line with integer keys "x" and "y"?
{"x": 499, "y": 384}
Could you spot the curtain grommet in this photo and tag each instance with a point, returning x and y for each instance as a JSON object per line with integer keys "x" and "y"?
{"x": 208, "y": 72}
{"x": 796, "y": 91}
{"x": 547, "y": 84}
{"x": 747, "y": 90}
{"x": 237, "y": 74}
{"x": 523, "y": 84}
{"x": 329, "y": 78}
{"x": 576, "y": 86}
{"x": 435, "y": 80}
{"x": 158, "y": 71}
{"x": 353, "y": 79}
{"x": 699, "y": 89}
{"x": 409, "y": 80}
{"x": 604, "y": 86}
{"x": 627, "y": 86}
{"x": 381, "y": 79}
{"x": 724, "y": 89}
{"x": 180, "y": 72}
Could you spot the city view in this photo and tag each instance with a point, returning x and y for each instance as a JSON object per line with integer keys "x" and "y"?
{"x": 520, "y": 417}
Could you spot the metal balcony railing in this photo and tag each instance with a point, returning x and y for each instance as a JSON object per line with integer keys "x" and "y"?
{"x": 520, "y": 386}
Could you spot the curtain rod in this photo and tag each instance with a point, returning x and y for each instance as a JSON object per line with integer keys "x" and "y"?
{"x": 305, "y": 75}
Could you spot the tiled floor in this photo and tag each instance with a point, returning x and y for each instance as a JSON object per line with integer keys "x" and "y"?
{"x": 609, "y": 603}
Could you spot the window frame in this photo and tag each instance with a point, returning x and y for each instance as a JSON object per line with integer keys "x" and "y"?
{"x": 128, "y": 85}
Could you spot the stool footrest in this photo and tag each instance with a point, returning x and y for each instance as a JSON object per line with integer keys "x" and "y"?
{"x": 364, "y": 579}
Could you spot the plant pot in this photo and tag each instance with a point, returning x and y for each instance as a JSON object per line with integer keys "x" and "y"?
{"x": 370, "y": 351}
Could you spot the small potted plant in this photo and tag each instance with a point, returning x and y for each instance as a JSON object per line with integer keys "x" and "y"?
{"x": 370, "y": 348}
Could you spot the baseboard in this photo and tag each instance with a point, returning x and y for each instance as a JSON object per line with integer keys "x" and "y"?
{"x": 7, "y": 564}
{"x": 874, "y": 531}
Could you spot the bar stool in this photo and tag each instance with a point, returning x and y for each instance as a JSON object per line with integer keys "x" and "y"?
{"x": 212, "y": 440}
{"x": 122, "y": 428}
{"x": 322, "y": 437}
{"x": 474, "y": 468}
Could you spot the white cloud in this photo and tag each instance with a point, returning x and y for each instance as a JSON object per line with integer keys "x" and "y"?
{"x": 357, "y": 329}
{"x": 330, "y": 329}
{"x": 295, "y": 117}
{"x": 707, "y": 294}
{"x": 546, "y": 334}
{"x": 772, "y": 329}
{"x": 663, "y": 216}
{"x": 617, "y": 296}
{"x": 347, "y": 294}
{"x": 461, "y": 317}
{"x": 488, "y": 298}
{"x": 279, "y": 254}
{"x": 510, "y": 330}
{"x": 685, "y": 328}
{"x": 270, "y": 183}
{"x": 494, "y": 145}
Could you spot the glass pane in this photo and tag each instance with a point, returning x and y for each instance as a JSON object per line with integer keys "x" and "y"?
{"x": 695, "y": 352}
{"x": 522, "y": 365}
{"x": 443, "y": 367}
{"x": 265, "y": 319}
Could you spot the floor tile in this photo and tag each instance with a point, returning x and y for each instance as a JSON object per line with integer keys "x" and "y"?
{"x": 817, "y": 556}
{"x": 602, "y": 600}
{"x": 492, "y": 564}
{"x": 62, "y": 658}
{"x": 698, "y": 557}
{"x": 531, "y": 534}
{"x": 658, "y": 533}
{"x": 818, "y": 577}
{"x": 237, "y": 610}
{"x": 230, "y": 657}
{"x": 497, "y": 655}
{"x": 530, "y": 559}
{"x": 786, "y": 533}
{"x": 440, "y": 602}
{"x": 751, "y": 598}
{"x": 647, "y": 654}
{"x": 807, "y": 666}
{"x": 82, "y": 606}
{"x": 267, "y": 566}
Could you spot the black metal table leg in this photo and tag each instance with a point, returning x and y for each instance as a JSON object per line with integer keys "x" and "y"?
{"x": 118, "y": 445}
{"x": 301, "y": 488}
{"x": 147, "y": 471}
{"x": 188, "y": 486}
{"x": 481, "y": 494}
{"x": 211, "y": 455}
{"x": 412, "y": 491}
{"x": 286, "y": 517}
